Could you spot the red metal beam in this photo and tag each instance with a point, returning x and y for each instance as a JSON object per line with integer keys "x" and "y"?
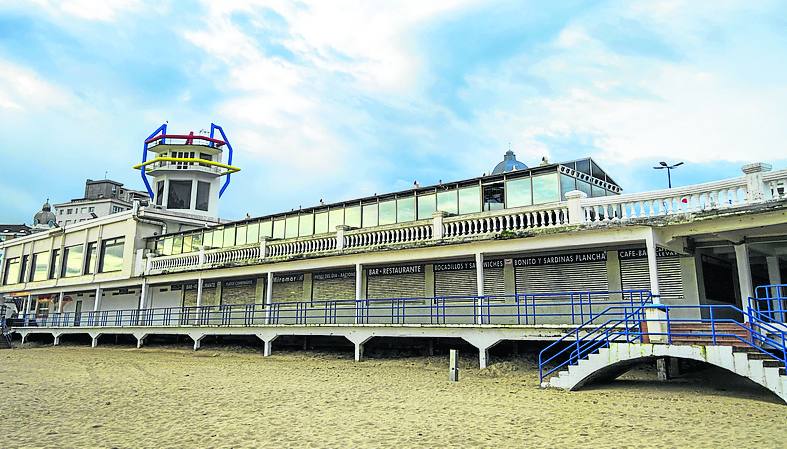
{"x": 186, "y": 137}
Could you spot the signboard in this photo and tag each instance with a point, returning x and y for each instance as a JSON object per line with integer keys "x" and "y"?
{"x": 278, "y": 279}
{"x": 467, "y": 265}
{"x": 334, "y": 275}
{"x": 401, "y": 269}
{"x": 239, "y": 282}
{"x": 193, "y": 286}
{"x": 642, "y": 253}
{"x": 559, "y": 259}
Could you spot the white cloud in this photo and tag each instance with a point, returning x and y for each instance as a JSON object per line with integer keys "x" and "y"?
{"x": 92, "y": 10}
{"x": 23, "y": 89}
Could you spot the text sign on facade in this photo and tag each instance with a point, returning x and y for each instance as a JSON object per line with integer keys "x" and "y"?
{"x": 403, "y": 269}
{"x": 239, "y": 283}
{"x": 333, "y": 275}
{"x": 287, "y": 278}
{"x": 534, "y": 261}
{"x": 641, "y": 253}
{"x": 467, "y": 265}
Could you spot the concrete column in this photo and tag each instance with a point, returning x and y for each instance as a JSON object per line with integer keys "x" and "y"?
{"x": 263, "y": 247}
{"x": 479, "y": 278}
{"x": 575, "y": 213}
{"x": 56, "y": 340}
{"x": 358, "y": 352}
{"x": 140, "y": 341}
{"x": 613, "y": 274}
{"x": 653, "y": 271}
{"x": 744, "y": 275}
{"x": 143, "y": 295}
{"x": 358, "y": 290}
{"x": 307, "y": 287}
{"x": 509, "y": 276}
{"x": 199, "y": 292}
{"x": 268, "y": 297}
{"x": 94, "y": 341}
{"x": 201, "y": 256}
{"x": 60, "y": 302}
{"x": 197, "y": 341}
{"x": 756, "y": 189}
{"x": 267, "y": 348}
{"x": 340, "y": 230}
{"x": 97, "y": 302}
{"x": 775, "y": 278}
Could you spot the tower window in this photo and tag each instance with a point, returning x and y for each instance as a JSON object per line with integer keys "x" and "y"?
{"x": 159, "y": 192}
{"x": 179, "y": 195}
{"x": 203, "y": 195}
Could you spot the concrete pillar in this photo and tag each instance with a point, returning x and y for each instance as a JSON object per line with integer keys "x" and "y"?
{"x": 756, "y": 189}
{"x": 60, "y": 302}
{"x": 56, "y": 340}
{"x": 268, "y": 298}
{"x": 24, "y": 338}
{"x": 613, "y": 275}
{"x": 653, "y": 271}
{"x": 429, "y": 291}
{"x": 358, "y": 352}
{"x": 199, "y": 292}
{"x": 267, "y": 347}
{"x": 358, "y": 290}
{"x": 340, "y": 230}
{"x": 140, "y": 341}
{"x": 97, "y": 302}
{"x": 307, "y": 287}
{"x": 453, "y": 366}
{"x": 28, "y": 304}
{"x": 479, "y": 279}
{"x": 775, "y": 278}
{"x": 94, "y": 341}
{"x": 575, "y": 213}
{"x": 744, "y": 275}
{"x": 143, "y": 295}
{"x": 509, "y": 276}
{"x": 197, "y": 341}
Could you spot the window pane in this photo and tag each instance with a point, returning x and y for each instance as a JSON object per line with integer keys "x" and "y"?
{"x": 545, "y": 188}
{"x": 11, "y": 271}
{"x": 567, "y": 184}
{"x": 253, "y": 233}
{"x": 306, "y": 225}
{"x": 196, "y": 241}
{"x": 426, "y": 206}
{"x": 335, "y": 218}
{"x": 177, "y": 244}
{"x": 240, "y": 235}
{"x": 112, "y": 255}
{"x": 187, "y": 243}
{"x": 352, "y": 216}
{"x": 266, "y": 229}
{"x": 405, "y": 209}
{"x": 208, "y": 240}
{"x": 90, "y": 258}
{"x": 387, "y": 211}
{"x": 469, "y": 200}
{"x": 321, "y": 222}
{"x": 167, "y": 250}
{"x": 159, "y": 194}
{"x": 447, "y": 201}
{"x": 518, "y": 192}
{"x": 291, "y": 227}
{"x": 596, "y": 191}
{"x": 369, "y": 215}
{"x": 40, "y": 266}
{"x": 493, "y": 197}
{"x": 179, "y": 196}
{"x": 229, "y": 237}
{"x": 278, "y": 228}
{"x": 54, "y": 263}
{"x": 203, "y": 195}
{"x": 218, "y": 238}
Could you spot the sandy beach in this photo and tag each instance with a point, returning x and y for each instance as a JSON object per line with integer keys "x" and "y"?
{"x": 73, "y": 396}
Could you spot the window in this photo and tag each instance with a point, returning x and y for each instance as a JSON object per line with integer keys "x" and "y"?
{"x": 518, "y": 192}
{"x": 469, "y": 200}
{"x": 426, "y": 206}
{"x": 352, "y": 216}
{"x": 335, "y": 218}
{"x": 203, "y": 195}
{"x": 84, "y": 210}
{"x": 72, "y": 261}
{"x": 90, "y": 258}
{"x": 567, "y": 184}
{"x": 167, "y": 248}
{"x": 91, "y": 209}
{"x": 229, "y": 237}
{"x": 266, "y": 229}
{"x": 218, "y": 238}
{"x": 253, "y": 233}
{"x": 205, "y": 156}
{"x": 291, "y": 227}
{"x": 54, "y": 263}
{"x": 68, "y": 211}
{"x": 179, "y": 195}
{"x": 187, "y": 243}
{"x": 177, "y": 244}
{"x": 321, "y": 222}
{"x": 196, "y": 241}
{"x": 545, "y": 189}
{"x": 306, "y": 225}
{"x": 405, "y": 209}
{"x": 23, "y": 274}
{"x": 111, "y": 255}
{"x": 387, "y": 211}
{"x": 159, "y": 192}
{"x": 11, "y": 275}
{"x": 278, "y": 228}
{"x": 40, "y": 267}
{"x": 207, "y": 240}
{"x": 369, "y": 215}
{"x": 240, "y": 235}
{"x": 447, "y": 202}
{"x": 493, "y": 196}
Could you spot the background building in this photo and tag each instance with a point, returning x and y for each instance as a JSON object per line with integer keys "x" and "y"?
{"x": 102, "y": 197}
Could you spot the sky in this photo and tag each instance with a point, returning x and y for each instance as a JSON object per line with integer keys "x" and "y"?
{"x": 343, "y": 99}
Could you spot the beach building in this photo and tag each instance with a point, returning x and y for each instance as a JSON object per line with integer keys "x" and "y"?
{"x": 556, "y": 253}
{"x": 102, "y": 197}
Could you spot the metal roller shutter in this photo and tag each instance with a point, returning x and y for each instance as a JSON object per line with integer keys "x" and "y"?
{"x": 238, "y": 292}
{"x": 338, "y": 288}
{"x": 410, "y": 285}
{"x": 494, "y": 281}
{"x": 634, "y": 275}
{"x": 455, "y": 283}
{"x": 288, "y": 291}
{"x": 562, "y": 278}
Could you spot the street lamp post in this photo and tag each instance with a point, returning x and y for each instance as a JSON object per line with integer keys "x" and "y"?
{"x": 663, "y": 165}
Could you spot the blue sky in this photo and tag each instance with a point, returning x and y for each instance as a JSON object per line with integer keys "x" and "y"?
{"x": 341, "y": 99}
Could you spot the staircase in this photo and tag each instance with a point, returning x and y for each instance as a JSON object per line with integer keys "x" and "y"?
{"x": 703, "y": 334}
{"x": 5, "y": 334}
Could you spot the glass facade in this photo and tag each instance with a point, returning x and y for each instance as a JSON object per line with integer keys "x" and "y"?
{"x": 352, "y": 216}
{"x": 11, "y": 275}
{"x": 306, "y": 225}
{"x": 40, "y": 266}
{"x": 405, "y": 209}
{"x": 545, "y": 189}
{"x": 447, "y": 202}
{"x": 72, "y": 256}
{"x": 90, "y": 258}
{"x": 387, "y": 212}
{"x": 112, "y": 255}
{"x": 370, "y": 215}
{"x": 321, "y": 222}
{"x": 427, "y": 205}
{"x": 469, "y": 200}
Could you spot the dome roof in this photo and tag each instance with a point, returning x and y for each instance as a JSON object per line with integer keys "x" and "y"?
{"x": 45, "y": 217}
{"x": 509, "y": 163}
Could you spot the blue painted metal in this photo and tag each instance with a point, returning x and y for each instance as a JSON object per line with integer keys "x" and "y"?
{"x": 160, "y": 130}
{"x": 213, "y": 128}
{"x": 770, "y": 301}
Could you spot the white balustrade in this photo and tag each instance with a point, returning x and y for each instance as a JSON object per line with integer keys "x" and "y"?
{"x": 365, "y": 238}
{"x": 776, "y": 185}
{"x": 289, "y": 248}
{"x": 523, "y": 219}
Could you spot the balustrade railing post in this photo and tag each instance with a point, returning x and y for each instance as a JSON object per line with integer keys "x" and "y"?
{"x": 340, "y": 231}
{"x": 438, "y": 220}
{"x": 575, "y": 213}
{"x": 756, "y": 188}
{"x": 263, "y": 248}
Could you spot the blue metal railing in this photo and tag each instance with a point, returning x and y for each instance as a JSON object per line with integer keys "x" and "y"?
{"x": 566, "y": 308}
{"x": 771, "y": 302}
{"x": 639, "y": 326}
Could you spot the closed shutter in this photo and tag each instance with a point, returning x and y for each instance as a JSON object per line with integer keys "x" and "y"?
{"x": 562, "y": 278}
{"x": 494, "y": 281}
{"x": 328, "y": 289}
{"x": 455, "y": 283}
{"x": 410, "y": 285}
{"x": 288, "y": 291}
{"x": 635, "y": 275}
{"x": 238, "y": 292}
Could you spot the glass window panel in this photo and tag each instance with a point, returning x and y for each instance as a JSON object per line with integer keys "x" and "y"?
{"x": 469, "y": 200}
{"x": 447, "y": 201}
{"x": 187, "y": 243}
{"x": 306, "y": 225}
{"x": 321, "y": 222}
{"x": 253, "y": 233}
{"x": 426, "y": 206}
{"x": 167, "y": 250}
{"x": 545, "y": 189}
{"x": 266, "y": 229}
{"x": 40, "y": 266}
{"x": 179, "y": 196}
{"x": 335, "y": 218}
{"x": 12, "y": 271}
{"x": 291, "y": 227}
{"x": 240, "y": 235}
{"x": 208, "y": 239}
{"x": 278, "y": 228}
{"x": 229, "y": 237}
{"x": 177, "y": 244}
{"x": 518, "y": 192}
{"x": 196, "y": 241}
{"x": 90, "y": 260}
{"x": 203, "y": 195}
{"x": 584, "y": 187}
{"x": 567, "y": 184}
{"x": 405, "y": 209}
{"x": 369, "y": 215}
{"x": 493, "y": 197}
{"x": 218, "y": 238}
{"x": 583, "y": 166}
{"x": 352, "y": 216}
{"x": 112, "y": 255}
{"x": 596, "y": 191}
{"x": 387, "y": 211}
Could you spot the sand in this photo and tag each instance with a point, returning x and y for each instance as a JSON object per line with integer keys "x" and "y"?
{"x": 73, "y": 396}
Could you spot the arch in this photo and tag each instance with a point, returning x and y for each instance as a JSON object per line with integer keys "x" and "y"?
{"x": 611, "y": 362}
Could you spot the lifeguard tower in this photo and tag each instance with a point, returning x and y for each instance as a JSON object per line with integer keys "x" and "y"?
{"x": 187, "y": 170}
